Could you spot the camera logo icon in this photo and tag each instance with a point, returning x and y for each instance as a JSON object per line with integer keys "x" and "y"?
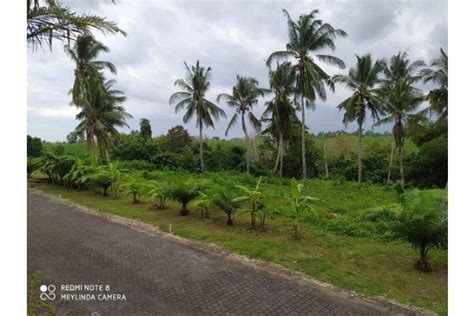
{"x": 47, "y": 292}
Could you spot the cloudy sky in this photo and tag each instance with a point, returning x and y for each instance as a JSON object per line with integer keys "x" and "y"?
{"x": 233, "y": 37}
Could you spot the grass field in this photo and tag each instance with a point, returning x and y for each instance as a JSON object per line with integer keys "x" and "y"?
{"x": 339, "y": 246}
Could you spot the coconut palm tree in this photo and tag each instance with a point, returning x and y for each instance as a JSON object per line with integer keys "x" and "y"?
{"x": 401, "y": 98}
{"x": 84, "y": 53}
{"x": 101, "y": 114}
{"x": 244, "y": 97}
{"x": 362, "y": 80}
{"x": 48, "y": 19}
{"x": 438, "y": 97}
{"x": 308, "y": 36}
{"x": 193, "y": 99}
{"x": 280, "y": 110}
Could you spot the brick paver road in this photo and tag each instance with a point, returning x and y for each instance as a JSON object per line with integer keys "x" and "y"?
{"x": 159, "y": 275}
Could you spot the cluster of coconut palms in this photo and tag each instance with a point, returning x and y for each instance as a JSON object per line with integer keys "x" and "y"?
{"x": 387, "y": 91}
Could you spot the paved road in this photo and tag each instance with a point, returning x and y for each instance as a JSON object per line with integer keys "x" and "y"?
{"x": 159, "y": 275}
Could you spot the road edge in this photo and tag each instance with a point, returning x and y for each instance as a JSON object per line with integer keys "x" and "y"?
{"x": 383, "y": 304}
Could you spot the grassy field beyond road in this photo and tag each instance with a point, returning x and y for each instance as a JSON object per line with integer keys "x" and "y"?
{"x": 339, "y": 247}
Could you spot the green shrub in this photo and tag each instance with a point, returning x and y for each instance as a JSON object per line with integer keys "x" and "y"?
{"x": 184, "y": 192}
{"x": 423, "y": 221}
{"x": 158, "y": 190}
{"x": 299, "y": 205}
{"x": 225, "y": 200}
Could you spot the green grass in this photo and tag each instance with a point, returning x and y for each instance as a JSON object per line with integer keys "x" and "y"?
{"x": 370, "y": 265}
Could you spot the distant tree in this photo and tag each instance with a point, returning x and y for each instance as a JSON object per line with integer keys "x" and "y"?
{"x": 280, "y": 110}
{"x": 102, "y": 114}
{"x": 362, "y": 80}
{"x": 145, "y": 128}
{"x": 193, "y": 99}
{"x": 34, "y": 147}
{"x": 244, "y": 97}
{"x": 71, "y": 137}
{"x": 178, "y": 138}
{"x": 48, "y": 20}
{"x": 307, "y": 36}
{"x": 401, "y": 99}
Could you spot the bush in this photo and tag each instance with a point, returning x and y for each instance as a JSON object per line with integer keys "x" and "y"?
{"x": 423, "y": 221}
{"x": 226, "y": 201}
{"x": 184, "y": 192}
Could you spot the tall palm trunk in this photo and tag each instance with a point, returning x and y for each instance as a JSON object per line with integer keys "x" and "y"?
{"x": 398, "y": 134}
{"x": 278, "y": 156}
{"x": 391, "y": 160}
{"x": 282, "y": 148}
{"x": 200, "y": 148}
{"x": 303, "y": 145}
{"x": 247, "y": 141}
{"x": 359, "y": 157}
{"x": 402, "y": 172}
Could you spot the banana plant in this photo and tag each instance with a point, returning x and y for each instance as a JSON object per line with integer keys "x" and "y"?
{"x": 256, "y": 199}
{"x": 299, "y": 205}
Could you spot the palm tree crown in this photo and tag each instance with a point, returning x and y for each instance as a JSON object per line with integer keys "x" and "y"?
{"x": 438, "y": 97}
{"x": 308, "y": 36}
{"x": 101, "y": 114}
{"x": 244, "y": 97}
{"x": 193, "y": 100}
{"x": 362, "y": 81}
{"x": 84, "y": 54}
{"x": 401, "y": 98}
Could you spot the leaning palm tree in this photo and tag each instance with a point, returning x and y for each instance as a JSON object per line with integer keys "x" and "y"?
{"x": 307, "y": 36}
{"x": 438, "y": 97}
{"x": 48, "y": 19}
{"x": 101, "y": 115}
{"x": 280, "y": 111}
{"x": 401, "y": 98}
{"x": 362, "y": 80}
{"x": 84, "y": 53}
{"x": 193, "y": 99}
{"x": 244, "y": 97}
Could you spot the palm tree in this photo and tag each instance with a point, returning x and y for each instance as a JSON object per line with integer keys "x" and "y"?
{"x": 309, "y": 35}
{"x": 362, "y": 81}
{"x": 84, "y": 54}
{"x": 438, "y": 97}
{"x": 280, "y": 110}
{"x": 48, "y": 20}
{"x": 244, "y": 96}
{"x": 101, "y": 114}
{"x": 193, "y": 99}
{"x": 401, "y": 99}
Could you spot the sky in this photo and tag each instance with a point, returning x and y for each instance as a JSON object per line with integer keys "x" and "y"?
{"x": 233, "y": 37}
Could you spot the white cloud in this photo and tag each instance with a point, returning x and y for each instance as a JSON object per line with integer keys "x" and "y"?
{"x": 233, "y": 37}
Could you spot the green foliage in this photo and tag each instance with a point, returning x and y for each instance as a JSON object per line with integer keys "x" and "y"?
{"x": 34, "y": 147}
{"x": 299, "y": 205}
{"x": 134, "y": 147}
{"x": 424, "y": 222}
{"x": 35, "y": 305}
{"x": 48, "y": 20}
{"x": 177, "y": 139}
{"x": 256, "y": 199}
{"x": 226, "y": 200}
{"x": 159, "y": 191}
{"x": 135, "y": 187}
{"x": 104, "y": 177}
{"x": 145, "y": 129}
{"x": 184, "y": 191}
